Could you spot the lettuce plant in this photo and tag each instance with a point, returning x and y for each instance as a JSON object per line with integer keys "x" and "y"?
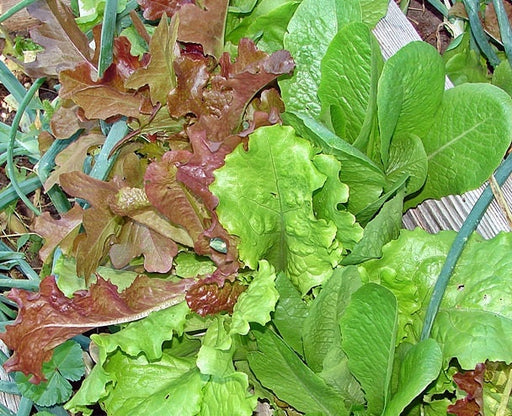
{"x": 237, "y": 210}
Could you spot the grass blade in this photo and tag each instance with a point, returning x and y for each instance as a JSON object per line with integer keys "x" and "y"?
{"x": 14, "y": 87}
{"x": 505, "y": 29}
{"x": 15, "y": 9}
{"x": 9, "y": 194}
{"x": 478, "y": 32}
{"x": 107, "y": 36}
{"x": 14, "y": 128}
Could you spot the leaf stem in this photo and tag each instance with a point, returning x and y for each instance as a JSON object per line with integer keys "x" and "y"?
{"x": 469, "y": 226}
{"x": 12, "y": 137}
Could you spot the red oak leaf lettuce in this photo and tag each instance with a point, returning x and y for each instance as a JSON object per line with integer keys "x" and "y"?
{"x": 472, "y": 382}
{"x": 64, "y": 43}
{"x": 107, "y": 97}
{"x": 154, "y": 9}
{"x": 48, "y": 318}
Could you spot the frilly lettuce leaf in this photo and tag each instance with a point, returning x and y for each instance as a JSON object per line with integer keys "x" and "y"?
{"x": 265, "y": 198}
{"x": 256, "y": 303}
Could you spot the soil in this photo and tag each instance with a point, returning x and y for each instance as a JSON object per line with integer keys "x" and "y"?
{"x": 428, "y": 22}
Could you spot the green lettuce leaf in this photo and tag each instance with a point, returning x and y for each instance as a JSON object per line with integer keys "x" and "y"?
{"x": 349, "y": 73}
{"x": 364, "y": 178}
{"x": 383, "y": 228}
{"x": 321, "y": 331}
{"x": 256, "y": 303}
{"x": 368, "y": 328}
{"x": 145, "y": 336}
{"x": 328, "y": 200}
{"x": 322, "y": 335}
{"x": 228, "y": 396}
{"x": 420, "y": 366}
{"x": 290, "y": 313}
{"x": 467, "y": 142}
{"x": 308, "y": 43}
{"x": 215, "y": 356}
{"x": 265, "y": 198}
{"x": 278, "y": 368}
{"x": 265, "y": 24}
{"x": 409, "y": 94}
{"x": 475, "y": 316}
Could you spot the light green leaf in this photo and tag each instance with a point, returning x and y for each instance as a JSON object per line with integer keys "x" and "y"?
{"x": 321, "y": 331}
{"x": 467, "y": 142}
{"x": 191, "y": 265}
{"x": 322, "y": 336}
{"x": 167, "y": 387}
{"x": 409, "y": 93}
{"x": 146, "y": 335}
{"x": 290, "y": 313}
{"x": 279, "y": 369}
{"x": 368, "y": 329}
{"x": 228, "y": 396}
{"x": 475, "y": 306}
{"x": 420, "y": 366}
{"x": 65, "y": 364}
{"x": 409, "y": 267}
{"x": 373, "y": 10}
{"x": 307, "y": 44}
{"x": 347, "y": 76}
{"x": 502, "y": 76}
{"x": 363, "y": 177}
{"x": 256, "y": 303}
{"x": 407, "y": 157}
{"x": 473, "y": 336}
{"x": 383, "y": 228}
{"x": 92, "y": 389}
{"x": 265, "y": 198}
{"x": 215, "y": 356}
{"x": 266, "y": 24}
{"x": 327, "y": 200}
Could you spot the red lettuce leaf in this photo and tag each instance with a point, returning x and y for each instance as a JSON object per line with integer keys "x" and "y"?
{"x": 472, "y": 382}
{"x": 107, "y": 97}
{"x": 48, "y": 318}
{"x": 206, "y": 297}
{"x": 204, "y": 25}
{"x": 154, "y": 9}
{"x": 65, "y": 45}
{"x": 60, "y": 232}
{"x": 100, "y": 223}
{"x": 219, "y": 101}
